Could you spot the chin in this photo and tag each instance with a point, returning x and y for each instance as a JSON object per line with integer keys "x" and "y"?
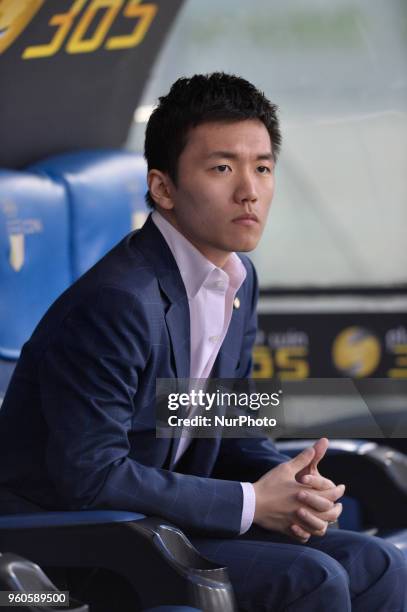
{"x": 245, "y": 246}
{"x": 245, "y": 249}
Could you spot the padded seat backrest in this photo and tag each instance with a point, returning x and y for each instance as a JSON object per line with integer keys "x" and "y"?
{"x": 35, "y": 262}
{"x": 57, "y": 218}
{"x": 105, "y": 190}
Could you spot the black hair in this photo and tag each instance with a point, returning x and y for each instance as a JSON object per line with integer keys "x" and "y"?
{"x": 199, "y": 99}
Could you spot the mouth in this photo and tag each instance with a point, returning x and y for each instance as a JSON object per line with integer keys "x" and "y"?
{"x": 248, "y": 219}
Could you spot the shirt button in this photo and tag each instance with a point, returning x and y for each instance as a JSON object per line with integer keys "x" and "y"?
{"x": 213, "y": 339}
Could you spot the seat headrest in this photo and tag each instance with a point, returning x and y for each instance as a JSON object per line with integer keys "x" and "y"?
{"x": 105, "y": 190}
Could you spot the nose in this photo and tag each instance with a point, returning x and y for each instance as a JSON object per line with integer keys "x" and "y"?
{"x": 246, "y": 192}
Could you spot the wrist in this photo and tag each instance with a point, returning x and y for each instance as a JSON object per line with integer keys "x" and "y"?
{"x": 258, "y": 506}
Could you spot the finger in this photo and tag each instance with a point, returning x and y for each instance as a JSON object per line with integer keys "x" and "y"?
{"x": 332, "y": 515}
{"x": 312, "y": 523}
{"x": 320, "y": 447}
{"x": 303, "y": 459}
{"x": 300, "y": 533}
{"x": 333, "y": 494}
{"x": 315, "y": 501}
{"x": 316, "y": 481}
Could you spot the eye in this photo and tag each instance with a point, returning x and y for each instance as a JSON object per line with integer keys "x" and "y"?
{"x": 263, "y": 169}
{"x": 222, "y": 169}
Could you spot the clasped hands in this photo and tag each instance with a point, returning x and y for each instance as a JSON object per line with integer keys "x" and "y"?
{"x": 293, "y": 498}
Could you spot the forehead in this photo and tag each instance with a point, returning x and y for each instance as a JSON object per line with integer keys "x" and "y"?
{"x": 246, "y": 138}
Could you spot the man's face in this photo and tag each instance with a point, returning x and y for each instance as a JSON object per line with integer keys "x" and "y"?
{"x": 225, "y": 184}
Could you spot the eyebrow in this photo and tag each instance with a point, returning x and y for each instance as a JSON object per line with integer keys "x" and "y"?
{"x": 230, "y": 155}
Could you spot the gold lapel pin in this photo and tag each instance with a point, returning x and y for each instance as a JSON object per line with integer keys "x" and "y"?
{"x": 236, "y": 303}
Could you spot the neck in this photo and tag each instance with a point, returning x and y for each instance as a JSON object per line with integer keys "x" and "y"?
{"x": 215, "y": 256}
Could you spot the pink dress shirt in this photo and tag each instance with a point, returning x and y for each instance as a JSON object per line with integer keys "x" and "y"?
{"x": 211, "y": 292}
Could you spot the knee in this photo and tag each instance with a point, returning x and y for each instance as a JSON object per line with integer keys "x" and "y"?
{"x": 395, "y": 555}
{"x": 395, "y": 560}
{"x": 383, "y": 558}
{"x": 315, "y": 576}
{"x": 378, "y": 574}
{"x": 324, "y": 568}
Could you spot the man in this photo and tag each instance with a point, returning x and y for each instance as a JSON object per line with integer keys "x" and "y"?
{"x": 77, "y": 425}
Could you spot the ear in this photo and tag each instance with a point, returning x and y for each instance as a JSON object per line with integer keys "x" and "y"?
{"x": 159, "y": 187}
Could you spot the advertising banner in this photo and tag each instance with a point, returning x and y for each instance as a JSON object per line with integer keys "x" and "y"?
{"x": 297, "y": 346}
{"x": 72, "y": 72}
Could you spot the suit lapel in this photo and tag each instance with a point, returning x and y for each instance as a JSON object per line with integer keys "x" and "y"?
{"x": 154, "y": 247}
{"x": 152, "y": 244}
{"x": 177, "y": 319}
{"x": 178, "y": 325}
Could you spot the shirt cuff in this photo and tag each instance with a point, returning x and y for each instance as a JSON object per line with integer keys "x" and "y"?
{"x": 249, "y": 506}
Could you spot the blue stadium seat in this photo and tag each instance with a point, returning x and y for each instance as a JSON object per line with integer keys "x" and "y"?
{"x": 105, "y": 192}
{"x": 35, "y": 263}
{"x": 57, "y": 219}
{"x": 139, "y": 552}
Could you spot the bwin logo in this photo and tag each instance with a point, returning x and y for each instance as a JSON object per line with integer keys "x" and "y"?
{"x": 15, "y": 15}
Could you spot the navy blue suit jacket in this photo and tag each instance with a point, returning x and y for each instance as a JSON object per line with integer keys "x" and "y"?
{"x": 77, "y": 426}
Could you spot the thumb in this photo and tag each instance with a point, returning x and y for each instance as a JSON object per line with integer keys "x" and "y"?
{"x": 303, "y": 459}
{"x": 320, "y": 446}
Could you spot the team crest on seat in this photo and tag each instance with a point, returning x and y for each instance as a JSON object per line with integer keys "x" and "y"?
{"x": 17, "y": 251}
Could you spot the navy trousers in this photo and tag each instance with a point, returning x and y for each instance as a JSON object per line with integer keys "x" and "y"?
{"x": 339, "y": 572}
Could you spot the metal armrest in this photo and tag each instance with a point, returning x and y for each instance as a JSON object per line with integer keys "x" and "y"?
{"x": 22, "y": 576}
{"x": 146, "y": 552}
{"x": 374, "y": 474}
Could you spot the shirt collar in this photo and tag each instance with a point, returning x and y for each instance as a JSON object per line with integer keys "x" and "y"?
{"x": 195, "y": 269}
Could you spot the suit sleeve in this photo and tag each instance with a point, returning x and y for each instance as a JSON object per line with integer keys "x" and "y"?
{"x": 247, "y": 459}
{"x": 89, "y": 377}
